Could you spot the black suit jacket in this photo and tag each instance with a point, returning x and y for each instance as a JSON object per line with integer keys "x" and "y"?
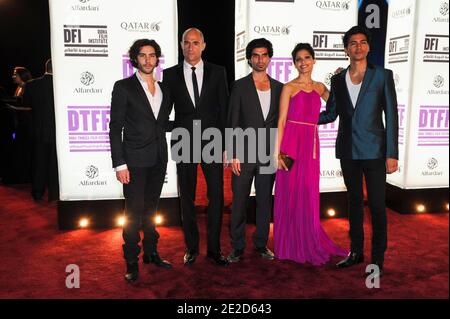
{"x": 144, "y": 137}
{"x": 245, "y": 110}
{"x": 362, "y": 134}
{"x": 39, "y": 96}
{"x": 212, "y": 108}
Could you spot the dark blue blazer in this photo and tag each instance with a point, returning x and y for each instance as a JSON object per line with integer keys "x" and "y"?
{"x": 362, "y": 134}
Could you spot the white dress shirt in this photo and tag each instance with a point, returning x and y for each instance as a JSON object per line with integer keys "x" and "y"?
{"x": 155, "y": 103}
{"x": 188, "y": 78}
{"x": 154, "y": 100}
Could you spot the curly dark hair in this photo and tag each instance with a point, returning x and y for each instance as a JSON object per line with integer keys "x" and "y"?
{"x": 355, "y": 30}
{"x": 136, "y": 47}
{"x": 303, "y": 46}
{"x": 258, "y": 43}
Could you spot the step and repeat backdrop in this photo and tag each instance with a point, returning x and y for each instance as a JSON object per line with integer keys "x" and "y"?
{"x": 90, "y": 41}
{"x": 417, "y": 50}
{"x": 286, "y": 23}
{"x": 89, "y": 44}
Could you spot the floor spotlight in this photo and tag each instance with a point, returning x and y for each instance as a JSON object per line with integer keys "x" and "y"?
{"x": 158, "y": 219}
{"x": 331, "y": 212}
{"x": 121, "y": 221}
{"x": 84, "y": 222}
{"x": 420, "y": 208}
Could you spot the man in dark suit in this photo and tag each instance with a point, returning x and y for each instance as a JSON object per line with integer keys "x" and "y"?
{"x": 254, "y": 105}
{"x": 140, "y": 108}
{"x": 199, "y": 92}
{"x": 364, "y": 145}
{"x": 39, "y": 96}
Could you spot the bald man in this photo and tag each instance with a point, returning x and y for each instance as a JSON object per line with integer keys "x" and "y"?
{"x": 199, "y": 92}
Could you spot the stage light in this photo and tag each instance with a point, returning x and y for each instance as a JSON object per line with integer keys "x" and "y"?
{"x": 420, "y": 208}
{"x": 331, "y": 212}
{"x": 158, "y": 219}
{"x": 446, "y": 206}
{"x": 84, "y": 222}
{"x": 121, "y": 221}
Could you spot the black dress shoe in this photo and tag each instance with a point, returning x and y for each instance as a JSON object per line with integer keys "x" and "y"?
{"x": 132, "y": 272}
{"x": 154, "y": 258}
{"x": 218, "y": 258}
{"x": 352, "y": 259}
{"x": 235, "y": 256}
{"x": 265, "y": 253}
{"x": 189, "y": 258}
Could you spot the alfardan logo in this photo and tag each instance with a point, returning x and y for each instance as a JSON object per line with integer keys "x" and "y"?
{"x": 85, "y": 5}
{"x": 443, "y": 10}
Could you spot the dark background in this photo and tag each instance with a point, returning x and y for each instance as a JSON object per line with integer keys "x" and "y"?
{"x": 25, "y": 33}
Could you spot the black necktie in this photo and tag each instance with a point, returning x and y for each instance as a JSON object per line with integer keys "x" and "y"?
{"x": 195, "y": 84}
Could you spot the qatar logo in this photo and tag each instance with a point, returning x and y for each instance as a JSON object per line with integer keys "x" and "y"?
{"x": 155, "y": 26}
{"x": 444, "y": 8}
{"x": 272, "y": 30}
{"x": 438, "y": 81}
{"x": 400, "y": 13}
{"x": 87, "y": 78}
{"x": 91, "y": 172}
{"x": 333, "y": 5}
{"x": 432, "y": 163}
{"x": 136, "y": 26}
{"x": 84, "y": 1}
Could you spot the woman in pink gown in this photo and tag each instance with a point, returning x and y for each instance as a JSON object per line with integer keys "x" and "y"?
{"x": 298, "y": 234}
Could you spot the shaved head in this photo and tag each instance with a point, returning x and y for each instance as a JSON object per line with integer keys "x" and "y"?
{"x": 193, "y": 29}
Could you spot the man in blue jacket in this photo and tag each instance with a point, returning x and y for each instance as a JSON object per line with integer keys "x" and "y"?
{"x": 365, "y": 146}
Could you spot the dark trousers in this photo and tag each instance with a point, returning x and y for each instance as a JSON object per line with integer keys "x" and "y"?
{"x": 141, "y": 202}
{"x": 241, "y": 186}
{"x": 44, "y": 170}
{"x": 187, "y": 180}
{"x": 374, "y": 172}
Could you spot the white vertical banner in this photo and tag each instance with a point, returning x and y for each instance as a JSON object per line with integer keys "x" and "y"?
{"x": 422, "y": 78}
{"x": 286, "y": 23}
{"x": 399, "y": 56}
{"x": 89, "y": 43}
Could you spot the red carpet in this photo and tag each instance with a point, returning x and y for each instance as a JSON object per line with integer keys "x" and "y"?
{"x": 35, "y": 255}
